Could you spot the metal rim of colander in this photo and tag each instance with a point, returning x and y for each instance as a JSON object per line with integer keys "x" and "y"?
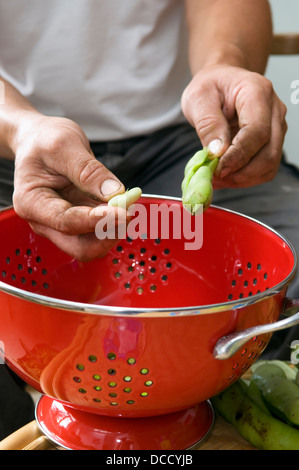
{"x": 95, "y": 309}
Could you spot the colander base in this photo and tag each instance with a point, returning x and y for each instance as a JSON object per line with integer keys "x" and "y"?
{"x": 77, "y": 430}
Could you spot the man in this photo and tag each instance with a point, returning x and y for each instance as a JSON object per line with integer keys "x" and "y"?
{"x": 80, "y": 73}
{"x": 100, "y": 96}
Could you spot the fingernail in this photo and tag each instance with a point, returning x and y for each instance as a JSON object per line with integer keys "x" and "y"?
{"x": 215, "y": 147}
{"x": 109, "y": 186}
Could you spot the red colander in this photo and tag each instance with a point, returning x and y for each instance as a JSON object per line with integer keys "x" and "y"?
{"x": 128, "y": 349}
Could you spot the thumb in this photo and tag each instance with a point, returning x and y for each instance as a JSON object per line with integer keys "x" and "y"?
{"x": 203, "y": 110}
{"x": 93, "y": 178}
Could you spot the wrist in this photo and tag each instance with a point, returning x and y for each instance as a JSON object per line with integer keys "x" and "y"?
{"x": 14, "y": 111}
{"x": 230, "y": 55}
{"x": 11, "y": 128}
{"x": 21, "y": 123}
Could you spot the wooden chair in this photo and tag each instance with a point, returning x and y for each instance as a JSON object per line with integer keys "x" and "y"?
{"x": 285, "y": 44}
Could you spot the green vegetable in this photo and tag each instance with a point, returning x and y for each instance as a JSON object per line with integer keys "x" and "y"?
{"x": 267, "y": 371}
{"x": 289, "y": 372}
{"x": 197, "y": 188}
{"x": 280, "y": 394}
{"x": 255, "y": 425}
{"x": 125, "y": 199}
{"x": 255, "y": 395}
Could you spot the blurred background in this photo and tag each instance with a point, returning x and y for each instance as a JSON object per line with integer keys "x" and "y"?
{"x": 283, "y": 70}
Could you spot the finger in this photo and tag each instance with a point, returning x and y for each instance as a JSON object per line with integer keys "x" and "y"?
{"x": 92, "y": 177}
{"x": 97, "y": 242}
{"x": 254, "y": 109}
{"x": 69, "y": 154}
{"x": 76, "y": 197}
{"x": 44, "y": 207}
{"x": 202, "y": 106}
{"x": 264, "y": 166}
{"x": 84, "y": 247}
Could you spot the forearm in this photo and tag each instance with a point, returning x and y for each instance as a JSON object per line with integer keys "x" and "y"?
{"x": 13, "y": 109}
{"x": 229, "y": 32}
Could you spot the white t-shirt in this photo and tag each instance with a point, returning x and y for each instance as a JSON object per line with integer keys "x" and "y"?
{"x": 116, "y": 67}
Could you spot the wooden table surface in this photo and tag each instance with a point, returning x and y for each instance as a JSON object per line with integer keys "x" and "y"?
{"x": 222, "y": 437}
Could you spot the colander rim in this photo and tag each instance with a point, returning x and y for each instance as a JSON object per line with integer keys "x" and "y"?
{"x": 97, "y": 309}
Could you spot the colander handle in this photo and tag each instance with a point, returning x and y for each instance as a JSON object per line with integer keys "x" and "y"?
{"x": 230, "y": 344}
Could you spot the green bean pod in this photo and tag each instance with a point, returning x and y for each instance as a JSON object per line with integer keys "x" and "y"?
{"x": 257, "y": 427}
{"x": 280, "y": 395}
{"x": 197, "y": 188}
{"x": 126, "y": 199}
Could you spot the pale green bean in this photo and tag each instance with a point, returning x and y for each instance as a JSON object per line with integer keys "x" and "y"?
{"x": 125, "y": 199}
{"x": 197, "y": 188}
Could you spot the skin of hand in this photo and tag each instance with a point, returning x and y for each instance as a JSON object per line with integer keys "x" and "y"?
{"x": 228, "y": 98}
{"x": 60, "y": 188}
{"x": 241, "y": 109}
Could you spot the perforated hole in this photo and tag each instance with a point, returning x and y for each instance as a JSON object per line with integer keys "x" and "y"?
{"x": 131, "y": 361}
{"x": 247, "y": 356}
{"x": 248, "y": 280}
{"x": 102, "y": 385}
{"x": 23, "y": 268}
{"x": 140, "y": 267}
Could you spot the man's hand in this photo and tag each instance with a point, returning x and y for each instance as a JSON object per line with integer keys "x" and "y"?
{"x": 242, "y": 110}
{"x": 59, "y": 183}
